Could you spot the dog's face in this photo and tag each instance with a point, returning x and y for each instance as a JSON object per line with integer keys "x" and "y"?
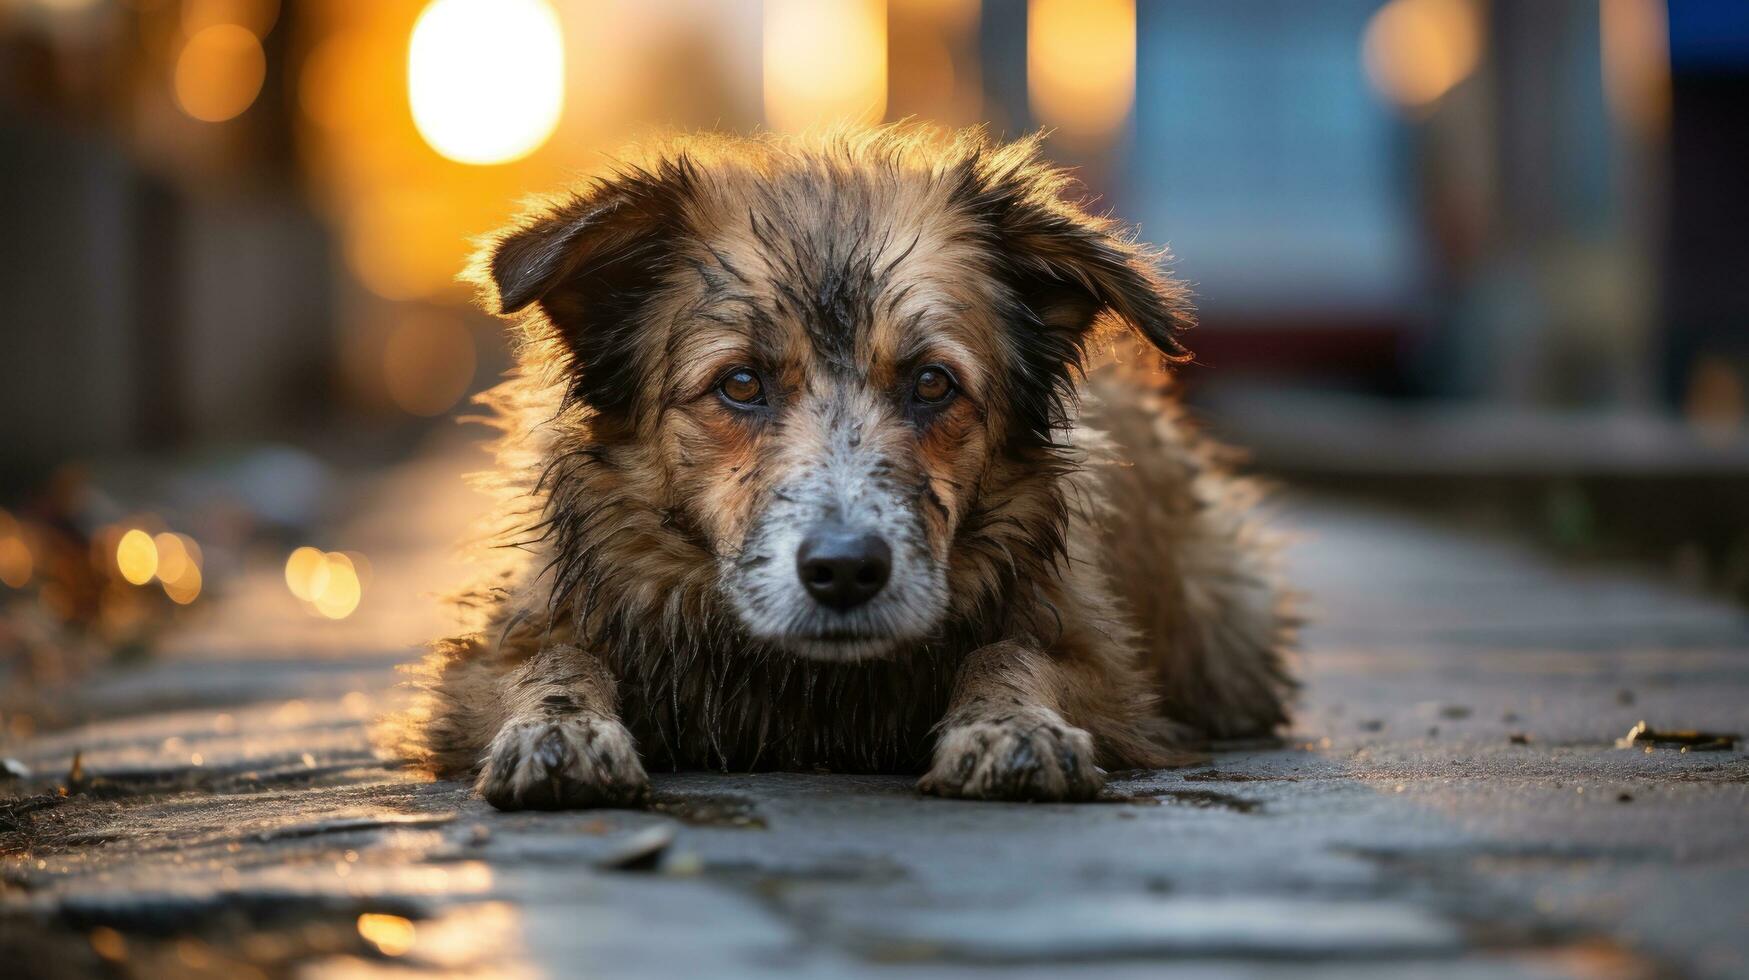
{"x": 826, "y": 367}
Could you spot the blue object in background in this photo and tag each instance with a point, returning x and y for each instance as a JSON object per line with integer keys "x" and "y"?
{"x": 1709, "y": 35}
{"x": 1262, "y": 156}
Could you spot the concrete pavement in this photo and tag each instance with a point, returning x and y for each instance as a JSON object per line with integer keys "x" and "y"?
{"x": 1451, "y": 802}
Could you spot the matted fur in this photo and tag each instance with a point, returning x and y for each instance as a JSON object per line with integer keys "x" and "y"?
{"x": 1077, "y": 581}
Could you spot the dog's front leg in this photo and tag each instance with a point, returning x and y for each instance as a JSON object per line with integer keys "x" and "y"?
{"x": 562, "y": 744}
{"x": 1003, "y": 737}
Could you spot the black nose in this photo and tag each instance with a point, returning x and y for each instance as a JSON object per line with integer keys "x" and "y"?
{"x": 842, "y": 568}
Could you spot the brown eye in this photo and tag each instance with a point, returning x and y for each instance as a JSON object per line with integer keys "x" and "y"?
{"x": 742, "y": 387}
{"x": 933, "y": 385}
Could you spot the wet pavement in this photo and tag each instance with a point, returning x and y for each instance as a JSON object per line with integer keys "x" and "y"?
{"x": 1451, "y": 802}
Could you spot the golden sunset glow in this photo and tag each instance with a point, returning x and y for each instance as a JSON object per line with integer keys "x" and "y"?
{"x": 1416, "y": 50}
{"x": 824, "y": 62}
{"x": 1081, "y": 66}
{"x": 486, "y": 78}
{"x": 219, "y": 73}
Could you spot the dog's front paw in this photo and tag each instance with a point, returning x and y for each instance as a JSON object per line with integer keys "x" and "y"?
{"x": 1029, "y": 755}
{"x": 562, "y": 763}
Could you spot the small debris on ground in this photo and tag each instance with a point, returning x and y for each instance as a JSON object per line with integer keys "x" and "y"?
{"x": 641, "y": 851}
{"x": 1518, "y": 738}
{"x": 1688, "y": 740}
{"x": 75, "y": 774}
{"x": 1455, "y": 712}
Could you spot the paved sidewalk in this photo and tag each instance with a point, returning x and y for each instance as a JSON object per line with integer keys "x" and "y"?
{"x": 1451, "y": 803}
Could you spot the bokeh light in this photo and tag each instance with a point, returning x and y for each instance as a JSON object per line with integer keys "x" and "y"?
{"x": 219, "y": 73}
{"x": 16, "y": 562}
{"x": 428, "y": 363}
{"x": 486, "y": 77}
{"x": 174, "y": 557}
{"x": 342, "y": 591}
{"x": 824, "y": 62}
{"x": 179, "y": 561}
{"x": 392, "y": 935}
{"x": 1416, "y": 50}
{"x": 1081, "y": 66}
{"x": 306, "y": 573}
{"x": 185, "y": 587}
{"x": 136, "y": 557}
{"x": 331, "y": 582}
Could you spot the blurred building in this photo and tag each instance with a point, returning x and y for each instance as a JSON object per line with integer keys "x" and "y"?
{"x": 233, "y": 219}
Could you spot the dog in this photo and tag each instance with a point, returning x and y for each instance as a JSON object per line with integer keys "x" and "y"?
{"x": 825, "y": 454}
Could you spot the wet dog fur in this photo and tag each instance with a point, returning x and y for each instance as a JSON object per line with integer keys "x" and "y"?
{"x": 728, "y": 346}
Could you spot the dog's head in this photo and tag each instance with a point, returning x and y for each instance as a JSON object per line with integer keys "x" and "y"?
{"x": 837, "y": 369}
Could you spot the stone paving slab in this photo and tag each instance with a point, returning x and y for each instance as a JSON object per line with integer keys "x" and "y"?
{"x": 1451, "y": 803}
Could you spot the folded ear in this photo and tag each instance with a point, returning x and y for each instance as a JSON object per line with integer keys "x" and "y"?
{"x": 589, "y": 263}
{"x": 1067, "y": 266}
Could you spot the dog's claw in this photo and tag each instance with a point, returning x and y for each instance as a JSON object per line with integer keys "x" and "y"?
{"x": 562, "y": 763}
{"x": 1033, "y": 755}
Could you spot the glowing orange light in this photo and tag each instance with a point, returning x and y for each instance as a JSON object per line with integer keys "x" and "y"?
{"x": 327, "y": 83}
{"x": 219, "y": 73}
{"x": 390, "y": 245}
{"x": 1081, "y": 66}
{"x": 392, "y": 935}
{"x": 16, "y": 563}
{"x": 486, "y": 77}
{"x": 1416, "y": 50}
{"x": 109, "y": 944}
{"x": 136, "y": 557}
{"x": 824, "y": 62}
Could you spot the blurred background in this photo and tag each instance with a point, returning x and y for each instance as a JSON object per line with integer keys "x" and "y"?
{"x": 1482, "y": 258}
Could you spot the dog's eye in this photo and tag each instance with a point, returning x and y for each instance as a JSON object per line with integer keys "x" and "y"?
{"x": 933, "y": 385}
{"x": 742, "y": 387}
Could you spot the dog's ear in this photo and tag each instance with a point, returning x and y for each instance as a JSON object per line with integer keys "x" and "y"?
{"x": 590, "y": 263}
{"x": 1069, "y": 268}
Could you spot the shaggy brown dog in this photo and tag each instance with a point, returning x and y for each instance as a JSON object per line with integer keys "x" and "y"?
{"x": 811, "y": 475}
